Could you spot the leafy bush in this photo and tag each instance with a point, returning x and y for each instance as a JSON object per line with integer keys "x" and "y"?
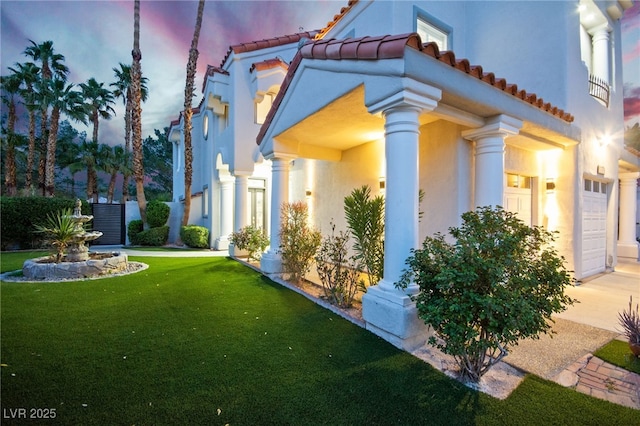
{"x": 134, "y": 228}
{"x": 60, "y": 230}
{"x": 630, "y": 322}
{"x": 498, "y": 283}
{"x": 253, "y": 240}
{"x": 154, "y": 236}
{"x": 195, "y": 236}
{"x": 157, "y": 214}
{"x": 365, "y": 221}
{"x": 339, "y": 273}
{"x": 21, "y": 214}
{"x": 298, "y": 242}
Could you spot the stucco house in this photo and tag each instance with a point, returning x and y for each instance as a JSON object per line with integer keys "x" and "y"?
{"x": 516, "y": 104}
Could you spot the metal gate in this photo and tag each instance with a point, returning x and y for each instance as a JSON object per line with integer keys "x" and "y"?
{"x": 109, "y": 219}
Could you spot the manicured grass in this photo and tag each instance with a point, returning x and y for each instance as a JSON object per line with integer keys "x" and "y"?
{"x": 154, "y": 248}
{"x": 13, "y": 261}
{"x": 209, "y": 341}
{"x": 618, "y": 353}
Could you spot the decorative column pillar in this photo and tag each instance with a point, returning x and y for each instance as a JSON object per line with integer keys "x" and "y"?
{"x": 489, "y": 158}
{"x": 627, "y": 244}
{"x": 226, "y": 213}
{"x": 388, "y": 311}
{"x": 600, "y": 43}
{"x": 242, "y": 194}
{"x": 271, "y": 262}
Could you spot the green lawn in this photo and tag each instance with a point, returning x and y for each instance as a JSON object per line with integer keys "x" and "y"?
{"x": 618, "y": 353}
{"x": 209, "y": 341}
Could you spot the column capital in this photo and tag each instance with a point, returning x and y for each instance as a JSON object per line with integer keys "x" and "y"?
{"x": 496, "y": 126}
{"x": 408, "y": 93}
{"x": 630, "y": 176}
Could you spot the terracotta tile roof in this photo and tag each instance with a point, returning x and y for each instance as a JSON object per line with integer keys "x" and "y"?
{"x": 393, "y": 46}
{"x": 335, "y": 20}
{"x": 268, "y": 64}
{"x": 266, "y": 43}
{"x": 177, "y": 121}
{"x": 211, "y": 70}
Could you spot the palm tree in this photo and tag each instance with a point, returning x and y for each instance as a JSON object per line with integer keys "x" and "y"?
{"x": 10, "y": 88}
{"x": 123, "y": 90}
{"x": 63, "y": 100}
{"x": 28, "y": 74}
{"x": 98, "y": 101}
{"x": 51, "y": 64}
{"x": 112, "y": 163}
{"x": 136, "y": 114}
{"x": 188, "y": 113}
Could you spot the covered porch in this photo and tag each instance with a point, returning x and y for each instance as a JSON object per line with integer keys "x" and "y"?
{"x": 339, "y": 95}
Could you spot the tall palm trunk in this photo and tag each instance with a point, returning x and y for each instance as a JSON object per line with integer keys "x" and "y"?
{"x": 31, "y": 153}
{"x": 188, "y": 113}
{"x": 127, "y": 146}
{"x": 43, "y": 150}
{"x": 136, "y": 114}
{"x": 10, "y": 158}
{"x": 50, "y": 164}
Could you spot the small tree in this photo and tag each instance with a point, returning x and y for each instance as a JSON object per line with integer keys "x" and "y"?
{"x": 339, "y": 273}
{"x": 498, "y": 283}
{"x": 298, "y": 242}
{"x": 365, "y": 221}
{"x": 253, "y": 240}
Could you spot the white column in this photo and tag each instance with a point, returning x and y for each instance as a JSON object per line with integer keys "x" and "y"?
{"x": 271, "y": 263}
{"x": 388, "y": 311}
{"x": 489, "y": 158}
{"x": 627, "y": 244}
{"x": 241, "y": 205}
{"x": 226, "y": 213}
{"x": 600, "y": 41}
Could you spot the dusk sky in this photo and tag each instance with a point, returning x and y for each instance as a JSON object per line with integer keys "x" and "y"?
{"x": 94, "y": 36}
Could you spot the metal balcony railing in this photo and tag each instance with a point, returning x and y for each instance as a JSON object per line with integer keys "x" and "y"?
{"x": 599, "y": 89}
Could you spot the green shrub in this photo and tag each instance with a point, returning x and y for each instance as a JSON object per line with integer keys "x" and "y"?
{"x": 20, "y": 215}
{"x": 195, "y": 236}
{"x": 60, "y": 230}
{"x": 134, "y": 228}
{"x": 154, "y": 236}
{"x": 157, "y": 214}
{"x": 365, "y": 221}
{"x": 339, "y": 273}
{"x": 253, "y": 240}
{"x": 298, "y": 242}
{"x": 499, "y": 282}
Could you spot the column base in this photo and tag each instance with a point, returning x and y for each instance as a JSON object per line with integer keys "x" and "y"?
{"x": 221, "y": 243}
{"x": 394, "y": 317}
{"x": 271, "y": 263}
{"x": 628, "y": 250}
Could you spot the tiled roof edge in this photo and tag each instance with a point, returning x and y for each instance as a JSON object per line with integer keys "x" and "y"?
{"x": 336, "y": 18}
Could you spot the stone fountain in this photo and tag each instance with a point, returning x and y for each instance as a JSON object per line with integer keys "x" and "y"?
{"x": 78, "y": 261}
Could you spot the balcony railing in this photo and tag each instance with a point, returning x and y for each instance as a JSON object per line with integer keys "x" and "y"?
{"x": 599, "y": 89}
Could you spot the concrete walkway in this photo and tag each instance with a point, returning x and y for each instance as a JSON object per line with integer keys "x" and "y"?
{"x": 565, "y": 357}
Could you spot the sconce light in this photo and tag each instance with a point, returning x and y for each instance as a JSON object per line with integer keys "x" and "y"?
{"x": 382, "y": 183}
{"x": 308, "y": 193}
{"x": 551, "y": 184}
{"x": 604, "y": 141}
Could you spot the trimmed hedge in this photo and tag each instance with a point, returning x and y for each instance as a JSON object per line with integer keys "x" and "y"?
{"x": 134, "y": 228}
{"x": 154, "y": 237}
{"x": 195, "y": 236}
{"x": 157, "y": 214}
{"x": 21, "y": 214}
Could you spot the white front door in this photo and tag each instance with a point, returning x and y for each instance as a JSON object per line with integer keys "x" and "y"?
{"x": 594, "y": 227}
{"x": 517, "y": 196}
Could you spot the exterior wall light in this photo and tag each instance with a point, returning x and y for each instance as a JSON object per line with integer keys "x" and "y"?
{"x": 551, "y": 185}
{"x": 308, "y": 193}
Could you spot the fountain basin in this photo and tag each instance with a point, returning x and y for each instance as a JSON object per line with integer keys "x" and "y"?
{"x": 42, "y": 268}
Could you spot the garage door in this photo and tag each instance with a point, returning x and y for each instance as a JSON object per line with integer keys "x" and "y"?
{"x": 517, "y": 196}
{"x": 594, "y": 227}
